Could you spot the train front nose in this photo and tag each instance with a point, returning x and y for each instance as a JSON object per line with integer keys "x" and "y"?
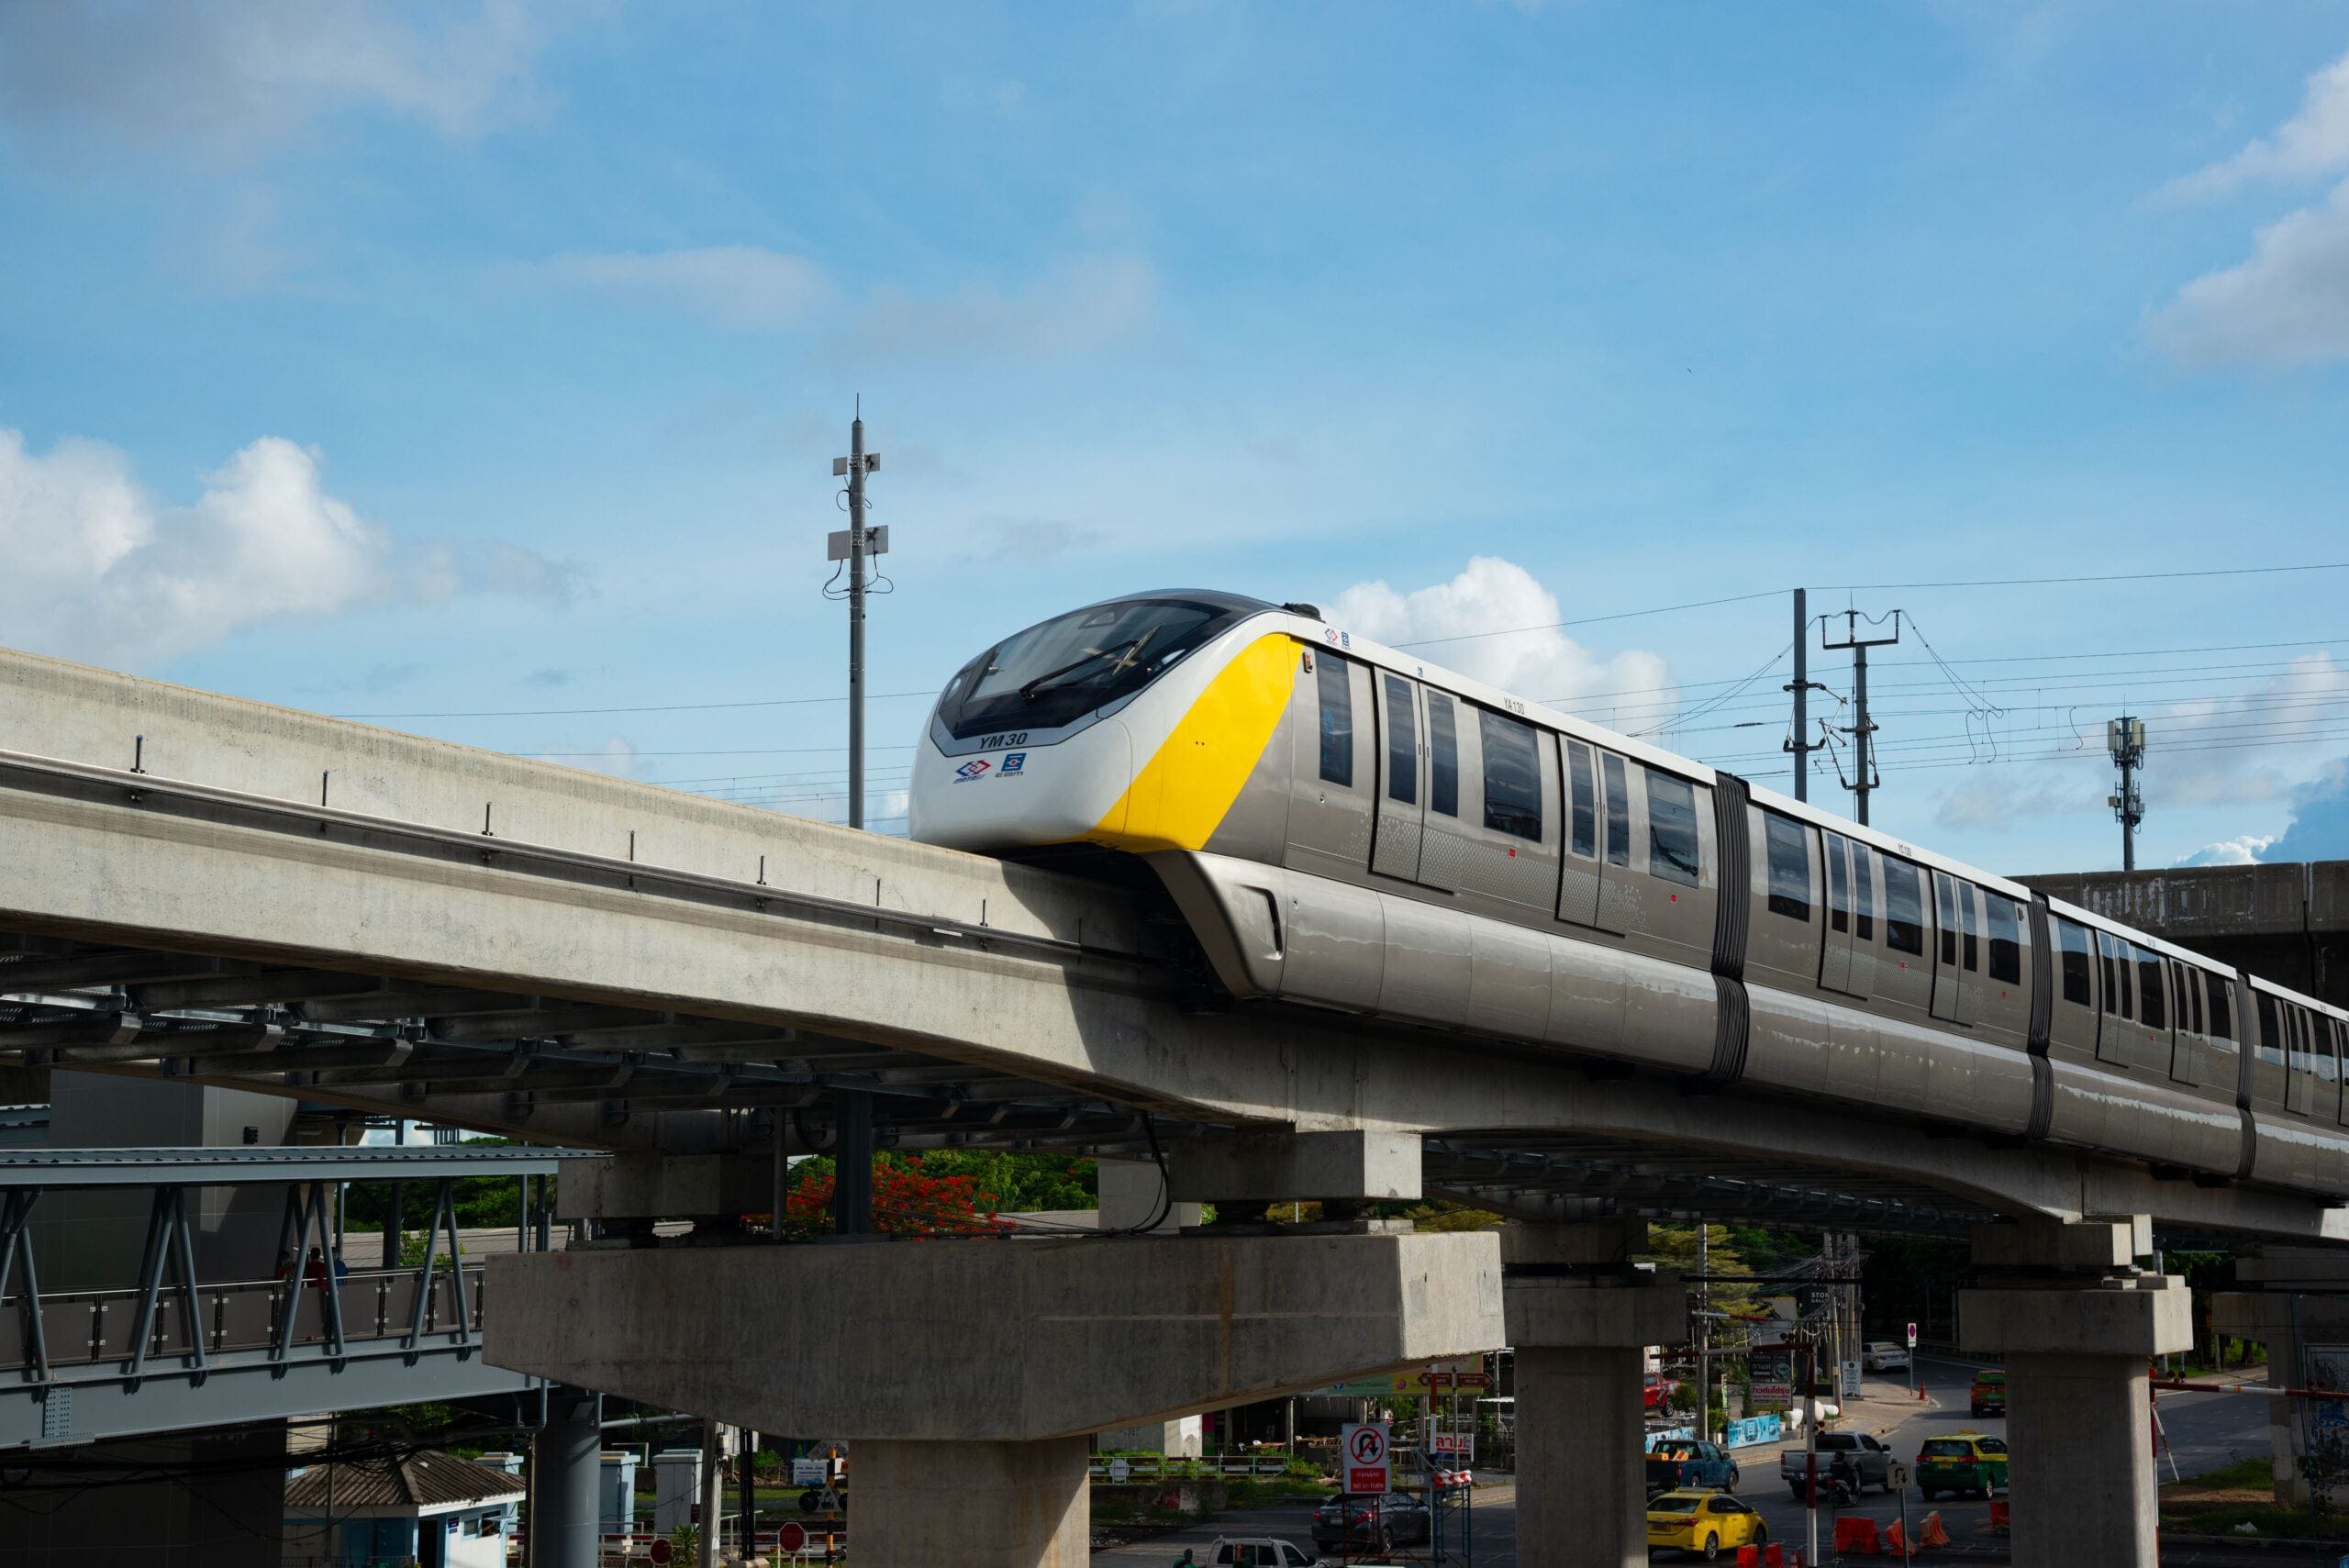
{"x": 1017, "y": 794}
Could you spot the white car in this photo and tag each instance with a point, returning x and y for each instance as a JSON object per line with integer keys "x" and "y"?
{"x": 1883, "y": 1355}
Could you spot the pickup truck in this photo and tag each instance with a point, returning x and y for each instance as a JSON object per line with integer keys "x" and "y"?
{"x": 1680, "y": 1463}
{"x": 1871, "y": 1462}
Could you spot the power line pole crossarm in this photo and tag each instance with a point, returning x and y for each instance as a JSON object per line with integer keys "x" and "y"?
{"x": 853, "y": 545}
{"x": 1864, "y": 778}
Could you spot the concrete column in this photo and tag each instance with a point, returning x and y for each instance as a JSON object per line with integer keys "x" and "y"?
{"x": 566, "y": 1463}
{"x": 1578, "y": 1413}
{"x": 1581, "y": 1318}
{"x": 2079, "y": 1429}
{"x": 977, "y": 1505}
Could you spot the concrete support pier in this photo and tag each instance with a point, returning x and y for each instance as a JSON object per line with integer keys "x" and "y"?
{"x": 566, "y": 1465}
{"x": 970, "y": 1375}
{"x": 974, "y": 1505}
{"x": 1581, "y": 1317}
{"x": 2295, "y": 1301}
{"x": 2076, "y": 1324}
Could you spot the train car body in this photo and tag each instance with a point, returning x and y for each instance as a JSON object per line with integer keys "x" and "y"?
{"x": 1347, "y": 828}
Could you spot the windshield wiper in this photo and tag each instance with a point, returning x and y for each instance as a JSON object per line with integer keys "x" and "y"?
{"x": 1042, "y": 682}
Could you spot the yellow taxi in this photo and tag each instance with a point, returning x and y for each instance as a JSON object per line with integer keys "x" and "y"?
{"x": 1962, "y": 1462}
{"x": 1706, "y": 1523}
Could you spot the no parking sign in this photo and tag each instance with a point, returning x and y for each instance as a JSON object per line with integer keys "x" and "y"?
{"x": 1364, "y": 1446}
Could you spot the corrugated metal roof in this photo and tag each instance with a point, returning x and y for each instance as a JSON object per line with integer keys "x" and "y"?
{"x": 426, "y": 1480}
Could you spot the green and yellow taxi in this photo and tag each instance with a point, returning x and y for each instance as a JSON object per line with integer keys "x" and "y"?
{"x": 1962, "y": 1462}
{"x": 1706, "y": 1523}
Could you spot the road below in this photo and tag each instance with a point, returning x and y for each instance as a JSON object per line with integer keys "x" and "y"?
{"x": 2205, "y": 1431}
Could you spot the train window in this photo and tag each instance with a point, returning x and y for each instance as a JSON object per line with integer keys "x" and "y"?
{"x": 2149, "y": 989}
{"x": 1863, "y": 893}
{"x": 1945, "y": 905}
{"x": 1672, "y": 828}
{"x": 2222, "y": 1022}
{"x": 1969, "y": 902}
{"x": 2271, "y": 1036}
{"x": 2189, "y": 997}
{"x": 2006, "y": 939}
{"x": 1512, "y": 776}
{"x": 1443, "y": 756}
{"x": 2328, "y": 1065}
{"x": 1585, "y": 784}
{"x": 2079, "y": 980}
{"x": 1838, "y": 883}
{"x": 1619, "y": 813}
{"x": 2104, "y": 953}
{"x": 1402, "y": 743}
{"x": 1904, "y": 907}
{"x": 1789, "y": 843}
{"x": 1333, "y": 679}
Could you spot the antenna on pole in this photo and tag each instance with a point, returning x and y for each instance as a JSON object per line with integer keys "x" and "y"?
{"x": 851, "y": 545}
{"x": 1865, "y": 777}
{"x": 1802, "y": 685}
{"x": 2125, "y": 738}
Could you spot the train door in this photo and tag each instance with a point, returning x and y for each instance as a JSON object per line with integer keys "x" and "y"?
{"x": 2299, "y": 1074}
{"x": 1332, "y": 770}
{"x": 1583, "y": 866}
{"x": 1441, "y": 847}
{"x": 2155, "y": 1013}
{"x": 1402, "y": 779}
{"x": 2185, "y": 1055}
{"x": 1957, "y": 952}
{"x": 2340, "y": 1054}
{"x": 2118, "y": 1016}
{"x": 1847, "y": 956}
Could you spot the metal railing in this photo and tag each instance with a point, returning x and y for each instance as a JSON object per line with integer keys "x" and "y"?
{"x": 1176, "y": 1467}
{"x": 84, "y": 1328}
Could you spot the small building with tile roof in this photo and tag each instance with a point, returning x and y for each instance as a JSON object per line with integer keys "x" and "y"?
{"x": 428, "y": 1507}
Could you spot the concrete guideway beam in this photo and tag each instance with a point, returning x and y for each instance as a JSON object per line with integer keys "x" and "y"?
{"x": 2075, "y": 1339}
{"x": 1352, "y": 1166}
{"x": 1580, "y": 1319}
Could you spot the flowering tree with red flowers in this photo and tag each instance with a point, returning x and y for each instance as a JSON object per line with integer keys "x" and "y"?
{"x": 907, "y": 1201}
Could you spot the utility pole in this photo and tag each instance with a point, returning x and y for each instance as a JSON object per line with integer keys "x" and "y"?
{"x": 1705, "y": 1329}
{"x": 1802, "y": 685}
{"x": 851, "y": 545}
{"x": 1863, "y": 732}
{"x": 2125, "y": 738}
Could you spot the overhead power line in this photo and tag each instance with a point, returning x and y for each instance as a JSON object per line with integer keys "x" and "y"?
{"x": 652, "y": 708}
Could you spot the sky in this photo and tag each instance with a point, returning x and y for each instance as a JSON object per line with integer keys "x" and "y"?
{"x": 476, "y": 369}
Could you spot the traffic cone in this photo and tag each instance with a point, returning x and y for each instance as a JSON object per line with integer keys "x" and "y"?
{"x": 1931, "y": 1533}
{"x": 1895, "y": 1542}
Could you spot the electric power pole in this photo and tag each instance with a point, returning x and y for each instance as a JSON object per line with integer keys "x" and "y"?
{"x": 1863, "y": 774}
{"x": 851, "y": 545}
{"x": 2125, "y": 738}
{"x": 1802, "y": 685}
{"x": 1705, "y": 1329}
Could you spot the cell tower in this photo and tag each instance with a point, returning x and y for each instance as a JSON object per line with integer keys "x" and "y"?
{"x": 2125, "y": 738}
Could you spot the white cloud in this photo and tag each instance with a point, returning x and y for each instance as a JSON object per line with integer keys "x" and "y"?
{"x": 2288, "y": 304}
{"x": 2311, "y": 144}
{"x": 1079, "y": 307}
{"x": 1990, "y": 799}
{"x": 1544, "y": 665}
{"x": 744, "y": 286}
{"x": 2243, "y": 850}
{"x": 100, "y": 571}
{"x": 229, "y": 75}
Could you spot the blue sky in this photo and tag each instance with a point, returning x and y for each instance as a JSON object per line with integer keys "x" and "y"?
{"x": 430, "y": 361}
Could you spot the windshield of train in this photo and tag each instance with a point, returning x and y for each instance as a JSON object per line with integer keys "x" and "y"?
{"x": 1054, "y": 673}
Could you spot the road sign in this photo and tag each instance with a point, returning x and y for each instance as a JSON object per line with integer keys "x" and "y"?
{"x": 660, "y": 1552}
{"x": 1120, "y": 1470}
{"x": 1362, "y": 1446}
{"x": 1913, "y": 1336}
{"x": 1453, "y": 1445}
{"x": 809, "y": 1472}
{"x": 791, "y": 1537}
{"x": 1456, "y": 1378}
{"x": 1851, "y": 1380}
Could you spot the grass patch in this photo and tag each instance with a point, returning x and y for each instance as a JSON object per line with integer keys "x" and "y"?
{"x": 2256, "y": 1473}
{"x": 1268, "y": 1492}
{"x": 2219, "y": 1502}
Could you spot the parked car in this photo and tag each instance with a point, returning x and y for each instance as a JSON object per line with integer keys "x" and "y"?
{"x": 1260, "y": 1552}
{"x": 1655, "y": 1391}
{"x": 1962, "y": 1462}
{"x": 1678, "y": 1462}
{"x": 1395, "y": 1519}
{"x": 1884, "y": 1355}
{"x": 1706, "y": 1523}
{"x": 1988, "y": 1397}
{"x": 1871, "y": 1463}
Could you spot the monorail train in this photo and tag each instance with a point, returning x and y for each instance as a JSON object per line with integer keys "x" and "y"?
{"x": 1345, "y": 826}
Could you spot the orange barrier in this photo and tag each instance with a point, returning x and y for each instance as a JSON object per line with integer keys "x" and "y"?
{"x": 1895, "y": 1542}
{"x": 1997, "y": 1516}
{"x": 1858, "y": 1537}
{"x": 1931, "y": 1533}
